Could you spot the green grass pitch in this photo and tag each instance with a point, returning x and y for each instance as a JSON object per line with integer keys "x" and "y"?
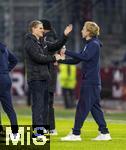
{"x": 64, "y": 122}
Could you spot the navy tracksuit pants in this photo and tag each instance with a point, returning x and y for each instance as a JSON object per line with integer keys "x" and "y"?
{"x": 89, "y": 102}
{"x": 6, "y": 101}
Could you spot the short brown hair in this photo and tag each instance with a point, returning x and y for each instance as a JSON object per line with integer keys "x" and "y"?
{"x": 33, "y": 24}
{"x": 93, "y": 28}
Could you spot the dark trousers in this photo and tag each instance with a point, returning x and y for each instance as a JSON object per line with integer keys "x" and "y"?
{"x": 39, "y": 92}
{"x": 6, "y": 100}
{"x": 69, "y": 97}
{"x": 51, "y": 111}
{"x": 89, "y": 101}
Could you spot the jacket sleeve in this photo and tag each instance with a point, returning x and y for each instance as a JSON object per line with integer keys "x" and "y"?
{"x": 33, "y": 51}
{"x": 71, "y": 61}
{"x": 50, "y": 38}
{"x": 12, "y": 60}
{"x": 84, "y": 55}
{"x": 56, "y": 45}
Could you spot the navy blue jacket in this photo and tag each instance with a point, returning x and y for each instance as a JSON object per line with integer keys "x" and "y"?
{"x": 90, "y": 58}
{"x": 7, "y": 60}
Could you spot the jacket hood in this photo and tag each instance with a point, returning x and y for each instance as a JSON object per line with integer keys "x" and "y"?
{"x": 97, "y": 40}
{"x": 100, "y": 43}
{"x": 2, "y": 47}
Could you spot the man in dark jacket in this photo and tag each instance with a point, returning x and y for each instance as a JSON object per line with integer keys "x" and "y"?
{"x": 50, "y": 36}
{"x": 7, "y": 62}
{"x": 37, "y": 61}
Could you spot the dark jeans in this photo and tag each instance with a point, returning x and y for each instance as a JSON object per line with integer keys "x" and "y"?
{"x": 51, "y": 111}
{"x": 89, "y": 101}
{"x": 39, "y": 92}
{"x": 6, "y": 100}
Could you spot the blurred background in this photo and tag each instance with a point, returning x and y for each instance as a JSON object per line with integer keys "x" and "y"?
{"x": 111, "y": 17}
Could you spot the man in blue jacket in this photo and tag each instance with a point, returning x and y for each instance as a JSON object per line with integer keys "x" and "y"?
{"x": 91, "y": 84}
{"x": 7, "y": 62}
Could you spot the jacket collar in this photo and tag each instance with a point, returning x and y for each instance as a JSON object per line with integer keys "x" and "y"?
{"x": 93, "y": 38}
{"x": 31, "y": 36}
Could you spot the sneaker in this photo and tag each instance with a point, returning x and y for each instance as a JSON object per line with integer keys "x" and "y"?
{"x": 103, "y": 137}
{"x": 53, "y": 132}
{"x": 15, "y": 136}
{"x": 46, "y": 132}
{"x": 71, "y": 137}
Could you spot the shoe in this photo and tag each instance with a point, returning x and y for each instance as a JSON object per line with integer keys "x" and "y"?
{"x": 71, "y": 137}
{"x": 103, "y": 137}
{"x": 43, "y": 132}
{"x": 46, "y": 132}
{"x": 53, "y": 132}
{"x": 15, "y": 136}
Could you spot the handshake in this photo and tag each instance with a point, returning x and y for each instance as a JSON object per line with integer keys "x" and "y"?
{"x": 61, "y": 55}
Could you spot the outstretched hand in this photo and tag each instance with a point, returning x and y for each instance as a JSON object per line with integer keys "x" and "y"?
{"x": 62, "y": 51}
{"x": 68, "y": 29}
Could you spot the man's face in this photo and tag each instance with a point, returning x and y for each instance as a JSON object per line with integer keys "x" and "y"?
{"x": 38, "y": 30}
{"x": 84, "y": 32}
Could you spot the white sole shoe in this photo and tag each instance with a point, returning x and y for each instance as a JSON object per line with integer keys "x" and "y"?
{"x": 71, "y": 137}
{"x": 103, "y": 137}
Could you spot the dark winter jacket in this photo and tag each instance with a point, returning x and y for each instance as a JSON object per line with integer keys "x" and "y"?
{"x": 37, "y": 57}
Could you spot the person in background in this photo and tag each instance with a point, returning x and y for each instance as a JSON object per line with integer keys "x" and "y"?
{"x": 50, "y": 36}
{"x": 67, "y": 76}
{"x": 89, "y": 100}
{"x": 7, "y": 62}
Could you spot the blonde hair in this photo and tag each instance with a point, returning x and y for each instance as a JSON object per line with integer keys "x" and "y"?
{"x": 33, "y": 24}
{"x": 93, "y": 28}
